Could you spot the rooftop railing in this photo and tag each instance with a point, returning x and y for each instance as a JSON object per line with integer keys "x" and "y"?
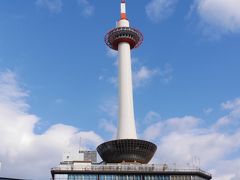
{"x": 145, "y": 168}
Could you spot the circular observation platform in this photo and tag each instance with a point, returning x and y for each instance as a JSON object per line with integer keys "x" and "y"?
{"x": 123, "y": 34}
{"x": 127, "y": 150}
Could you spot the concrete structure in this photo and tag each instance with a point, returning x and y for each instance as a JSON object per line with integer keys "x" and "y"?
{"x": 80, "y": 156}
{"x": 127, "y": 157}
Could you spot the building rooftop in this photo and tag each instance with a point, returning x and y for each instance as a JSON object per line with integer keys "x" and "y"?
{"x": 79, "y": 167}
{"x": 5, "y": 178}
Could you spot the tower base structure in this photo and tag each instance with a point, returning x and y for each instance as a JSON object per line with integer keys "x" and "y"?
{"x": 127, "y": 150}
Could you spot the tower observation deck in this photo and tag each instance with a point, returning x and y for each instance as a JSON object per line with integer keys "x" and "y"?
{"x": 126, "y": 148}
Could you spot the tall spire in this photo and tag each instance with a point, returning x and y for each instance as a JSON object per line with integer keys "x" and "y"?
{"x": 123, "y": 9}
{"x": 126, "y": 148}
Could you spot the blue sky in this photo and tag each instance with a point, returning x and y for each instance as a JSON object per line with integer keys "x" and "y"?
{"x": 58, "y": 81}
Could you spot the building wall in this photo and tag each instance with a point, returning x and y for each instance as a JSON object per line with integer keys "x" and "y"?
{"x": 90, "y": 156}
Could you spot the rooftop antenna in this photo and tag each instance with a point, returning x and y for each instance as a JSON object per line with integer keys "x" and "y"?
{"x": 80, "y": 144}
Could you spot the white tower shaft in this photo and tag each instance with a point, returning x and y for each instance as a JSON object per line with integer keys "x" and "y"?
{"x": 126, "y": 121}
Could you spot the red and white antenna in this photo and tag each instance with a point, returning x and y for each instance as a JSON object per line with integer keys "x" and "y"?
{"x": 123, "y": 9}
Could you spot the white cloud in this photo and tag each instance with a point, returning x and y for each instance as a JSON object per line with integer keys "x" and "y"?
{"x": 24, "y": 153}
{"x": 207, "y": 111}
{"x": 183, "y": 141}
{"x": 143, "y": 75}
{"x": 209, "y": 147}
{"x": 152, "y": 117}
{"x": 233, "y": 117}
{"x": 54, "y": 6}
{"x": 182, "y": 124}
{"x": 227, "y": 170}
{"x": 112, "y": 53}
{"x": 110, "y": 107}
{"x": 166, "y": 73}
{"x": 87, "y": 7}
{"x": 160, "y": 128}
{"x": 218, "y": 16}
{"x": 231, "y": 105}
{"x": 153, "y": 131}
{"x": 158, "y": 10}
{"x": 109, "y": 127}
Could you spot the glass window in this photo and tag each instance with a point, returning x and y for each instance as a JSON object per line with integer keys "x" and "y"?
{"x": 82, "y": 177}
{"x": 61, "y": 177}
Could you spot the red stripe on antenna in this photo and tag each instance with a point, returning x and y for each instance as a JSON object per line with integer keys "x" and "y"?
{"x": 123, "y": 16}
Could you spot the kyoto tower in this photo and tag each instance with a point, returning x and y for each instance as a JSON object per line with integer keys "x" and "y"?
{"x": 127, "y": 157}
{"x": 126, "y": 147}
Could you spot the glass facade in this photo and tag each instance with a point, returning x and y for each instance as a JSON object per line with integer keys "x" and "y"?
{"x": 124, "y": 177}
